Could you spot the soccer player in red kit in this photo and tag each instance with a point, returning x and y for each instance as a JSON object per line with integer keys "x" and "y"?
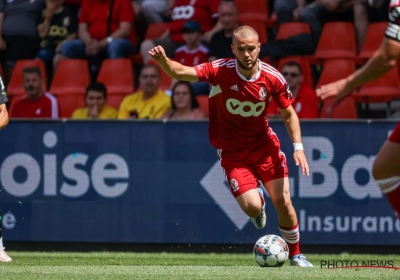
{"x": 386, "y": 167}
{"x": 247, "y": 147}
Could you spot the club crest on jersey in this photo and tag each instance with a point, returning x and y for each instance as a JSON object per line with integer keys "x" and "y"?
{"x": 263, "y": 93}
{"x": 289, "y": 92}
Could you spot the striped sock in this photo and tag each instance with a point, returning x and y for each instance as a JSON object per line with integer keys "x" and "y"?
{"x": 292, "y": 237}
{"x": 391, "y": 189}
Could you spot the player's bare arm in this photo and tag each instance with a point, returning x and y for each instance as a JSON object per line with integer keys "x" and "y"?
{"x": 3, "y": 116}
{"x": 173, "y": 69}
{"x": 293, "y": 128}
{"x": 380, "y": 63}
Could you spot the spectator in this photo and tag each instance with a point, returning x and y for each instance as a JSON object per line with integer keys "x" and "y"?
{"x": 59, "y": 24}
{"x": 193, "y": 53}
{"x": 96, "y": 36}
{"x": 183, "y": 103}
{"x": 148, "y": 103}
{"x": 18, "y": 32}
{"x": 289, "y": 10}
{"x": 96, "y": 108}
{"x": 220, "y": 44}
{"x": 156, "y": 10}
{"x": 204, "y": 11}
{"x": 305, "y": 100}
{"x": 36, "y": 103}
{"x": 322, "y": 11}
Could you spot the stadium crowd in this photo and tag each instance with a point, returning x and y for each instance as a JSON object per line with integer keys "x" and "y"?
{"x": 88, "y": 59}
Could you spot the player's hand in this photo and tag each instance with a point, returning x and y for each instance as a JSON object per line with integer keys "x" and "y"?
{"x": 300, "y": 159}
{"x": 338, "y": 88}
{"x": 158, "y": 54}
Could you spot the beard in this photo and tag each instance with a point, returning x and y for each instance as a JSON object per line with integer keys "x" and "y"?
{"x": 245, "y": 66}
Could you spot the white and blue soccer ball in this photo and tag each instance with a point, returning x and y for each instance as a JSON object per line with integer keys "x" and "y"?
{"x": 271, "y": 251}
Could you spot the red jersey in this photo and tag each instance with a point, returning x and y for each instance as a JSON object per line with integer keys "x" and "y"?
{"x": 95, "y": 14}
{"x": 305, "y": 104}
{"x": 45, "y": 106}
{"x": 203, "y": 11}
{"x": 191, "y": 57}
{"x": 238, "y": 106}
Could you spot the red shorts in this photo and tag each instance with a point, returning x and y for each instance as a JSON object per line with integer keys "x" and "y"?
{"x": 395, "y": 135}
{"x": 243, "y": 168}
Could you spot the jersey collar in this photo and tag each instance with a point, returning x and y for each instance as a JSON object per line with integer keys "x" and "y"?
{"x": 252, "y": 79}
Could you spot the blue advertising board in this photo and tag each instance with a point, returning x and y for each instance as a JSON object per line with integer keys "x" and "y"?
{"x": 122, "y": 181}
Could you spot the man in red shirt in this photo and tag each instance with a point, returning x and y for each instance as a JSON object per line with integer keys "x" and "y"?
{"x": 305, "y": 101}
{"x": 96, "y": 36}
{"x": 202, "y": 11}
{"x": 36, "y": 103}
{"x": 248, "y": 148}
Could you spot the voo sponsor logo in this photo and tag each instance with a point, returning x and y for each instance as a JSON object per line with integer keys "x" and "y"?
{"x": 244, "y": 109}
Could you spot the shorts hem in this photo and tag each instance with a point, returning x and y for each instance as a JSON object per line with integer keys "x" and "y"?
{"x": 276, "y": 177}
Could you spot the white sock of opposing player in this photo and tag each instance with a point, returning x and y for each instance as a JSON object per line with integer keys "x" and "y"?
{"x": 1, "y": 243}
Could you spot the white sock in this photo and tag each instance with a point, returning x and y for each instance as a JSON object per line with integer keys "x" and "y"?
{"x": 1, "y": 243}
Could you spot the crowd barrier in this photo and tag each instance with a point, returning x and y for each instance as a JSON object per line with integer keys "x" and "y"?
{"x": 157, "y": 182}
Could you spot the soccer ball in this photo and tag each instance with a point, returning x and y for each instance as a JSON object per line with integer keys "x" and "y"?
{"x": 271, "y": 251}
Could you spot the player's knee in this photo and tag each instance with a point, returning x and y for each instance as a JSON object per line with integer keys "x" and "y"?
{"x": 252, "y": 210}
{"x": 282, "y": 203}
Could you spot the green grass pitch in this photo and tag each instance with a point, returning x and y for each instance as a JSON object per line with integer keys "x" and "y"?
{"x": 27, "y": 265}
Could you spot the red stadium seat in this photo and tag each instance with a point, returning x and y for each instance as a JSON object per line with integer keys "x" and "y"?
{"x": 336, "y": 69}
{"x": 69, "y": 103}
{"x": 337, "y": 41}
{"x": 71, "y": 77}
{"x": 346, "y": 109}
{"x": 382, "y": 90}
{"x": 373, "y": 40}
{"x": 155, "y": 30}
{"x": 203, "y": 102}
{"x": 254, "y": 11}
{"x": 305, "y": 67}
{"x": 69, "y": 85}
{"x": 15, "y": 85}
{"x": 166, "y": 80}
{"x": 289, "y": 29}
{"x": 333, "y": 70}
{"x": 117, "y": 76}
{"x": 115, "y": 100}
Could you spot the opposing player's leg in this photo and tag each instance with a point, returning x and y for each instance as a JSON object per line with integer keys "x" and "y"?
{"x": 243, "y": 185}
{"x": 3, "y": 254}
{"x": 386, "y": 170}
